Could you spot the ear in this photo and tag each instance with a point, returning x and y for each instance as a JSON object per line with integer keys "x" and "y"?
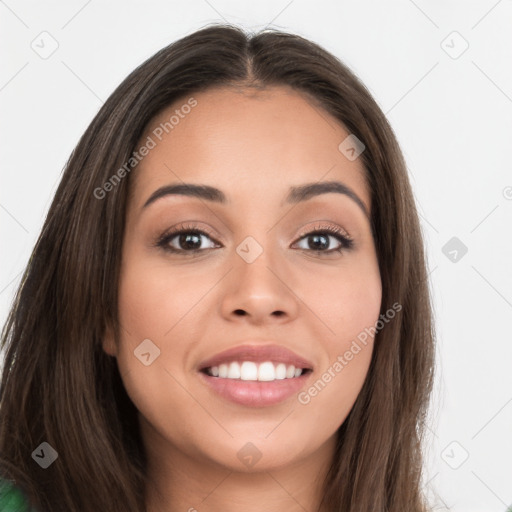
{"x": 108, "y": 342}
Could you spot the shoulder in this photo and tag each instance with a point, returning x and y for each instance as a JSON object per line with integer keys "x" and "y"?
{"x": 12, "y": 498}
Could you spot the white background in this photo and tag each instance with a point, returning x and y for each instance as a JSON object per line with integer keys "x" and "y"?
{"x": 452, "y": 117}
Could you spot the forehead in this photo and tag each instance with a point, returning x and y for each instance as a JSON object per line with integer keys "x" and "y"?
{"x": 249, "y": 143}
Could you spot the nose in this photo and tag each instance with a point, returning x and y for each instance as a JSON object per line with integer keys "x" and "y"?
{"x": 259, "y": 291}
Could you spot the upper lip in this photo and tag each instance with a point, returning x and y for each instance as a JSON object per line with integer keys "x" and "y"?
{"x": 258, "y": 354}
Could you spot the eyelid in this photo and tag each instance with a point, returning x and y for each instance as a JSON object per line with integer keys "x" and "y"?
{"x": 320, "y": 225}
{"x": 189, "y": 226}
{"x": 325, "y": 226}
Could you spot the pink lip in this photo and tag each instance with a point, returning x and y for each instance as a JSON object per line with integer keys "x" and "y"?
{"x": 255, "y": 393}
{"x": 257, "y": 354}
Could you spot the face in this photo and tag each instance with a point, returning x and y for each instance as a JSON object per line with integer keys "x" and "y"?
{"x": 291, "y": 278}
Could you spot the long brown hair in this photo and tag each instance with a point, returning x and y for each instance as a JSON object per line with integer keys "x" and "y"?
{"x": 58, "y": 385}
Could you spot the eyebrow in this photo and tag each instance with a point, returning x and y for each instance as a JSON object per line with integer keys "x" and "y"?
{"x": 295, "y": 195}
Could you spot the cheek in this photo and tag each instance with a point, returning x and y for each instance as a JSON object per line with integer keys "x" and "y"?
{"x": 347, "y": 301}
{"x": 349, "y": 307}
{"x": 153, "y": 298}
{"x": 150, "y": 310}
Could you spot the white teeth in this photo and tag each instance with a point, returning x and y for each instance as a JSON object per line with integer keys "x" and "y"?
{"x": 248, "y": 370}
{"x": 266, "y": 371}
{"x": 223, "y": 371}
{"x": 234, "y": 370}
{"x": 281, "y": 371}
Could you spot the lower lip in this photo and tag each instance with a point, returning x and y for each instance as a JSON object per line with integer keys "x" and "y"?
{"x": 255, "y": 393}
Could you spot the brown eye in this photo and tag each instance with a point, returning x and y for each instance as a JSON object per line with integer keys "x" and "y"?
{"x": 189, "y": 239}
{"x": 185, "y": 240}
{"x": 319, "y": 240}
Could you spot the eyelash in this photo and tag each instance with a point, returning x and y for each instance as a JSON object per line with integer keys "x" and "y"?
{"x": 346, "y": 243}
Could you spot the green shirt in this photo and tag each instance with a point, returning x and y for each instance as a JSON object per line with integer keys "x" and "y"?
{"x": 12, "y": 498}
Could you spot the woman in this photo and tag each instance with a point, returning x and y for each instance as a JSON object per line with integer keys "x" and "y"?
{"x": 181, "y": 340}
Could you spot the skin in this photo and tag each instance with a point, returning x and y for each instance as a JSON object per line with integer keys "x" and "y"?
{"x": 253, "y": 146}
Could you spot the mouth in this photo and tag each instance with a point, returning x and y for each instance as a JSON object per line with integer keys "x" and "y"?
{"x": 256, "y": 376}
{"x": 267, "y": 371}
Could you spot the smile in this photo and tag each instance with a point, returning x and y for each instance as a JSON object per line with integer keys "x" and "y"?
{"x": 266, "y": 371}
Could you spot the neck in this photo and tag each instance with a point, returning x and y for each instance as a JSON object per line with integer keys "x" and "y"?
{"x": 184, "y": 482}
